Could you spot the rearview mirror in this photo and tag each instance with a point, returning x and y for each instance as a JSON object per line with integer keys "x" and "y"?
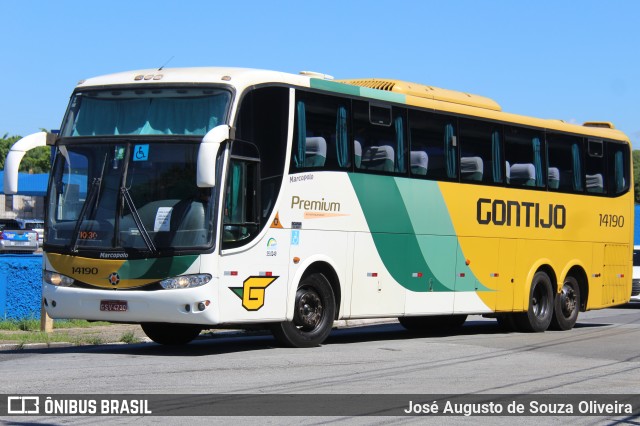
{"x": 15, "y": 154}
{"x": 209, "y": 147}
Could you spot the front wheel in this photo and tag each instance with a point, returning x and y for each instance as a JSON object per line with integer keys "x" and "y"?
{"x": 171, "y": 334}
{"x": 566, "y": 305}
{"x": 314, "y": 311}
{"x": 540, "y": 311}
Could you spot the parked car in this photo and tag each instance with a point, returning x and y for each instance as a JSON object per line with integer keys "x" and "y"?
{"x": 16, "y": 240}
{"x": 33, "y": 225}
{"x": 635, "y": 287}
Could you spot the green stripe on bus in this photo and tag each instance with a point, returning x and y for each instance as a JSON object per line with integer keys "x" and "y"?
{"x": 410, "y": 225}
{"x": 156, "y": 268}
{"x": 349, "y": 89}
{"x": 332, "y": 86}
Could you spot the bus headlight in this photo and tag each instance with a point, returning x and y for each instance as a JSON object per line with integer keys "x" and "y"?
{"x": 57, "y": 279}
{"x": 186, "y": 281}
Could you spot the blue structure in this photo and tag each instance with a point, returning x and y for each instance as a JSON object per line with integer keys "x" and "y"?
{"x": 29, "y": 184}
{"x": 21, "y": 274}
{"x": 20, "y": 286}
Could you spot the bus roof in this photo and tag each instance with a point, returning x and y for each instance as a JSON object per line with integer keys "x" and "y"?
{"x": 428, "y": 92}
{"x": 235, "y": 76}
{"x": 396, "y": 91}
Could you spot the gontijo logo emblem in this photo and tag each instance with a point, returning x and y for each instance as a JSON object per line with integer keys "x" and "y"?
{"x": 253, "y": 292}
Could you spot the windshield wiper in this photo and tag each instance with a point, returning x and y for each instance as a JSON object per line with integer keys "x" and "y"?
{"x": 136, "y": 218}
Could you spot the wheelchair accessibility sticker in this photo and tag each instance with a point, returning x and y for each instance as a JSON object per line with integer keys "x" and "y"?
{"x": 253, "y": 291}
{"x": 141, "y": 153}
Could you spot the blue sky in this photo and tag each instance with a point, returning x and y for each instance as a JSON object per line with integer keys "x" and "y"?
{"x": 571, "y": 60}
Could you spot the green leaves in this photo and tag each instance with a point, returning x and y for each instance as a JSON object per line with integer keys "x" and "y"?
{"x": 636, "y": 175}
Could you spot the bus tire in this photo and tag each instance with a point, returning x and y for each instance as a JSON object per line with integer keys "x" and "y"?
{"x": 432, "y": 322}
{"x": 314, "y": 311}
{"x": 171, "y": 334}
{"x": 566, "y": 305}
{"x": 540, "y": 310}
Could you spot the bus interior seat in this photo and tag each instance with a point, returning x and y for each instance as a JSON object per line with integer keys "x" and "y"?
{"x": 149, "y": 214}
{"x": 471, "y": 168}
{"x": 378, "y": 158}
{"x": 554, "y": 177}
{"x": 595, "y": 183}
{"x": 357, "y": 153}
{"x": 316, "y": 152}
{"x": 523, "y": 174}
{"x": 72, "y": 201}
{"x": 188, "y": 223}
{"x": 419, "y": 162}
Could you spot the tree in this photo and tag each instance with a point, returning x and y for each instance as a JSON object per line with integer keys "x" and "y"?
{"x": 37, "y": 160}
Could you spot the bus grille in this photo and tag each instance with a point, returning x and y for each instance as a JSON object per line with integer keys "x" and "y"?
{"x": 374, "y": 84}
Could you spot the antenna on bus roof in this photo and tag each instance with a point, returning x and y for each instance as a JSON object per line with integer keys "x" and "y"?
{"x": 317, "y": 75}
{"x": 165, "y": 64}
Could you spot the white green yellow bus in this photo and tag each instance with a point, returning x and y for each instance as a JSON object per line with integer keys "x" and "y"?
{"x": 197, "y": 198}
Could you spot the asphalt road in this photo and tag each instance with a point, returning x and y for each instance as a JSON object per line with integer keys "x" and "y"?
{"x": 600, "y": 355}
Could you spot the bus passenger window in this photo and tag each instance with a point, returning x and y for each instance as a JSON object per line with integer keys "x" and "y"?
{"x": 380, "y": 135}
{"x": 320, "y": 133}
{"x": 565, "y": 163}
{"x": 480, "y": 152}
{"x": 618, "y": 167}
{"x": 594, "y": 173}
{"x": 433, "y": 147}
{"x": 523, "y": 154}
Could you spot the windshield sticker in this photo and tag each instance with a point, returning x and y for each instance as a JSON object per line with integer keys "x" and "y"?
{"x": 141, "y": 153}
{"x": 119, "y": 153}
{"x": 163, "y": 219}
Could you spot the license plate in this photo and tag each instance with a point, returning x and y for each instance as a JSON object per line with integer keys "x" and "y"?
{"x": 114, "y": 305}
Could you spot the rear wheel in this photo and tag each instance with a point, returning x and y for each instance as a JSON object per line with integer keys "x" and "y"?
{"x": 313, "y": 315}
{"x": 566, "y": 305}
{"x": 171, "y": 334}
{"x": 434, "y": 322}
{"x": 540, "y": 311}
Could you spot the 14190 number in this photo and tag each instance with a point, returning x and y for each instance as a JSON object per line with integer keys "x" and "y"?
{"x": 611, "y": 220}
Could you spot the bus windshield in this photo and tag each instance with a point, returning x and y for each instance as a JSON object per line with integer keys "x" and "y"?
{"x": 157, "y": 111}
{"x": 128, "y": 196}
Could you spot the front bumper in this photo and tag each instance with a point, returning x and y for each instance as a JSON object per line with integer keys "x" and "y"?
{"x": 181, "y": 306}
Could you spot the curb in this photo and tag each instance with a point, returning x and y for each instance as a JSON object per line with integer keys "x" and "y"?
{"x": 340, "y": 324}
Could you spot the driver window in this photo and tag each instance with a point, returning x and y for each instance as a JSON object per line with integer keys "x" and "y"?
{"x": 240, "y": 219}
